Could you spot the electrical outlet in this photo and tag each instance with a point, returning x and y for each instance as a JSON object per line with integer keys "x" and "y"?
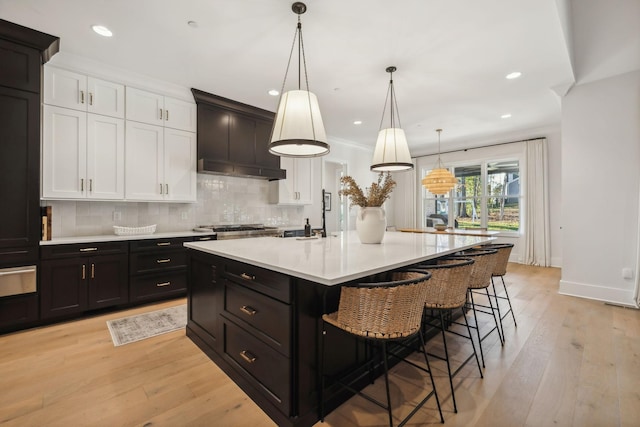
{"x": 627, "y": 273}
{"x": 117, "y": 216}
{"x": 184, "y": 215}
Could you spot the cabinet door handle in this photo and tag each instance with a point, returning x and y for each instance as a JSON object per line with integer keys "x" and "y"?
{"x": 163, "y": 284}
{"x": 166, "y": 115}
{"x": 166, "y": 189}
{"x": 88, "y": 249}
{"x": 93, "y": 270}
{"x": 81, "y": 97}
{"x": 161, "y": 114}
{"x": 163, "y": 244}
{"x": 163, "y": 261}
{"x": 250, "y": 358}
{"x": 84, "y": 271}
{"x": 161, "y": 189}
{"x": 81, "y": 184}
{"x": 90, "y": 185}
{"x": 90, "y": 98}
{"x": 247, "y": 309}
{"x": 247, "y": 276}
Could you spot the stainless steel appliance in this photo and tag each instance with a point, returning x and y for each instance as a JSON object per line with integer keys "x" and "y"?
{"x": 17, "y": 280}
{"x": 225, "y": 232}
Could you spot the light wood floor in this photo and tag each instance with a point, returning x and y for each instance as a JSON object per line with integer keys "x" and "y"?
{"x": 570, "y": 362}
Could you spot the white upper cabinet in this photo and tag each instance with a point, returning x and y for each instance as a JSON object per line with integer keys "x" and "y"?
{"x": 82, "y": 156}
{"x": 77, "y": 91}
{"x": 297, "y": 188}
{"x": 159, "y": 110}
{"x": 161, "y": 163}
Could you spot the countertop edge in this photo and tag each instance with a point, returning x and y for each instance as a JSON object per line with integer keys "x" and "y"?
{"x": 116, "y": 238}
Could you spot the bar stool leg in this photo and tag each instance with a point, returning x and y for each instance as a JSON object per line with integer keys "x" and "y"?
{"x": 508, "y": 300}
{"x": 473, "y": 346}
{"x": 433, "y": 383}
{"x": 386, "y": 381}
{"x": 477, "y": 327}
{"x": 495, "y": 320}
{"x": 446, "y": 356}
{"x": 495, "y": 298}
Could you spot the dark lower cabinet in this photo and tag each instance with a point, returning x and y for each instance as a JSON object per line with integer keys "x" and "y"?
{"x": 205, "y": 299}
{"x": 77, "y": 278}
{"x": 18, "y": 311}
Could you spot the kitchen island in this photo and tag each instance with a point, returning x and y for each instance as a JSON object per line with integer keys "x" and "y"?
{"x": 255, "y": 308}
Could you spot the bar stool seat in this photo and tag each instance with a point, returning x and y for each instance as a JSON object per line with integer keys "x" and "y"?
{"x": 381, "y": 312}
{"x": 446, "y": 291}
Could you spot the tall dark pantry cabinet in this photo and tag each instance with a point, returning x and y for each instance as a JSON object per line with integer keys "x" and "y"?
{"x": 22, "y": 53}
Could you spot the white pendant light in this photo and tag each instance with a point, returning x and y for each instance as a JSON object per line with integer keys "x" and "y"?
{"x": 298, "y": 130}
{"x": 392, "y": 151}
{"x": 439, "y": 180}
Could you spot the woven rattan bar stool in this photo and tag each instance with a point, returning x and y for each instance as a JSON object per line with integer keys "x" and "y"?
{"x": 480, "y": 279}
{"x": 381, "y": 312}
{"x": 447, "y": 291}
{"x": 499, "y": 270}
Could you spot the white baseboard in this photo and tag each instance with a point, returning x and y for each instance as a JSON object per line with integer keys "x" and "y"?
{"x": 599, "y": 293}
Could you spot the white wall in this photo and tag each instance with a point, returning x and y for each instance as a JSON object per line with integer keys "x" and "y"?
{"x": 601, "y": 177}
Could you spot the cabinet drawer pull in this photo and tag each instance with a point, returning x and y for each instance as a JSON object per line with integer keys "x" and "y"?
{"x": 250, "y": 358}
{"x": 162, "y": 261}
{"x": 88, "y": 249}
{"x": 163, "y": 244}
{"x": 163, "y": 284}
{"x": 247, "y": 276}
{"x": 247, "y": 309}
{"x": 202, "y": 239}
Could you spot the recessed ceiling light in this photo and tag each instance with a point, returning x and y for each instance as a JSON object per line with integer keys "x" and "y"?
{"x": 505, "y": 116}
{"x": 357, "y": 122}
{"x": 102, "y": 30}
{"x": 513, "y": 75}
{"x": 274, "y": 92}
{"x": 192, "y": 24}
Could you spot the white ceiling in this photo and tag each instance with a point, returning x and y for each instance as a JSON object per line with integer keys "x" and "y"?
{"x": 452, "y": 57}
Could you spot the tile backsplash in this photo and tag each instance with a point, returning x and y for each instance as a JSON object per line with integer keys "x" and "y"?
{"x": 221, "y": 200}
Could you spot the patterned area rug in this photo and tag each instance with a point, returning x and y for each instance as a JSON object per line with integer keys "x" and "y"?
{"x": 135, "y": 328}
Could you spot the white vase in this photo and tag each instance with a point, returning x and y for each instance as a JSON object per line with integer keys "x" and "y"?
{"x": 371, "y": 224}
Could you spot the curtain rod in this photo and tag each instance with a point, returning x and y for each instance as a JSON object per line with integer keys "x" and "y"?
{"x": 482, "y": 146}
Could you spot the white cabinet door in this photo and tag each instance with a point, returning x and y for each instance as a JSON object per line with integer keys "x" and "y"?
{"x": 144, "y": 162}
{"x": 64, "y": 153}
{"x": 180, "y": 173}
{"x": 65, "y": 88}
{"x": 303, "y": 180}
{"x": 180, "y": 114}
{"x": 105, "y": 157}
{"x": 145, "y": 107}
{"x": 297, "y": 188}
{"x": 105, "y": 98}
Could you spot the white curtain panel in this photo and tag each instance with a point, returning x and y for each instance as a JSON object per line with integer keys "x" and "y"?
{"x": 537, "y": 247}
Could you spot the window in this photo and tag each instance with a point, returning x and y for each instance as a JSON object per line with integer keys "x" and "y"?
{"x": 487, "y": 196}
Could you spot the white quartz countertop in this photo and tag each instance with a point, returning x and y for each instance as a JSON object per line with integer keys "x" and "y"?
{"x": 337, "y": 259}
{"x": 114, "y": 238}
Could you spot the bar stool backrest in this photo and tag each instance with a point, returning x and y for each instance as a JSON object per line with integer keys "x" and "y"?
{"x": 484, "y": 260}
{"x": 449, "y": 281}
{"x": 384, "y": 310}
{"x": 504, "y": 251}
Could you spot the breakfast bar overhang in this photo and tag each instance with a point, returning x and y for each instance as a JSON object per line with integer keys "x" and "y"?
{"x": 255, "y": 308}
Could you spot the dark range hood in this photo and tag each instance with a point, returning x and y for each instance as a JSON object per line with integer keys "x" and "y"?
{"x": 233, "y": 139}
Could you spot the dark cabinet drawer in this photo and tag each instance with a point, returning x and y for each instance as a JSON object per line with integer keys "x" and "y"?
{"x": 271, "y": 318}
{"x": 18, "y": 256}
{"x": 267, "y": 369}
{"x": 18, "y": 311}
{"x": 155, "y": 286}
{"x": 157, "y": 261}
{"x": 276, "y": 285}
{"x": 88, "y": 249}
{"x": 158, "y": 244}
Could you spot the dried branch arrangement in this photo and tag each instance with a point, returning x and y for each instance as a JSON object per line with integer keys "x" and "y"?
{"x": 375, "y": 195}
